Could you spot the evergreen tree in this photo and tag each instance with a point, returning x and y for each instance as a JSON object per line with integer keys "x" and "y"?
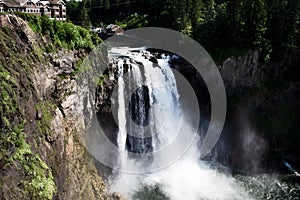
{"x": 83, "y": 17}
{"x": 270, "y": 25}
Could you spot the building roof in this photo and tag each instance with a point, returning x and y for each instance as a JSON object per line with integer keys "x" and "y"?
{"x": 57, "y": 2}
{"x": 13, "y": 3}
{"x": 44, "y": 2}
{"x": 18, "y": 3}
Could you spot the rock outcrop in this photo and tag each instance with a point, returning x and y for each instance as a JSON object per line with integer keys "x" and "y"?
{"x": 262, "y": 104}
{"x": 242, "y": 72}
{"x": 38, "y": 98}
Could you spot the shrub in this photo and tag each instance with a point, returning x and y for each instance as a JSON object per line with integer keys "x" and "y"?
{"x": 64, "y": 34}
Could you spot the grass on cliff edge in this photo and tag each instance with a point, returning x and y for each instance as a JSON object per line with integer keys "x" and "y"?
{"x": 63, "y": 34}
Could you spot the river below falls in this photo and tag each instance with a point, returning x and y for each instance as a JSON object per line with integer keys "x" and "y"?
{"x": 197, "y": 181}
{"x": 264, "y": 186}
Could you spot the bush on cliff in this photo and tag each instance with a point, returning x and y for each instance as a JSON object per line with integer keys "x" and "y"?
{"x": 63, "y": 34}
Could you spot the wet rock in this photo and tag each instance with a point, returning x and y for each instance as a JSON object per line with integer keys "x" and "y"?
{"x": 39, "y": 114}
{"x": 153, "y": 59}
{"x": 117, "y": 196}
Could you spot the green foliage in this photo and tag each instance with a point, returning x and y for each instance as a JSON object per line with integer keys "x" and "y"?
{"x": 100, "y": 80}
{"x": 133, "y": 21}
{"x": 66, "y": 35}
{"x": 46, "y": 109}
{"x": 8, "y": 104}
{"x": 150, "y": 192}
{"x": 283, "y": 26}
{"x": 209, "y": 30}
{"x": 273, "y": 27}
{"x": 78, "y": 13}
{"x": 72, "y": 8}
{"x": 8, "y": 107}
{"x": 14, "y": 150}
{"x": 220, "y": 55}
{"x": 40, "y": 184}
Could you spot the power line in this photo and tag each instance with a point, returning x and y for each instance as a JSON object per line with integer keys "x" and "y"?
{"x": 116, "y": 4}
{"x": 111, "y": 5}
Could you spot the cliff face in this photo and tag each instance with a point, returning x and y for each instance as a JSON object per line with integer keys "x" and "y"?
{"x": 261, "y": 123}
{"x": 41, "y": 155}
{"x": 261, "y": 126}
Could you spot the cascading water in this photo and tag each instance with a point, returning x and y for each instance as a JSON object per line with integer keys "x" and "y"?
{"x": 121, "y": 114}
{"x": 155, "y": 118}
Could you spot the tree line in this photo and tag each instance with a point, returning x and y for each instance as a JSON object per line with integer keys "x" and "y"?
{"x": 273, "y": 26}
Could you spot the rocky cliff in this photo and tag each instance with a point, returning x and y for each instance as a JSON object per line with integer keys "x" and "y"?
{"x": 41, "y": 155}
{"x": 261, "y": 125}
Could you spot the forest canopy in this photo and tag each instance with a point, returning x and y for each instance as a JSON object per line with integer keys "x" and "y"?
{"x": 227, "y": 26}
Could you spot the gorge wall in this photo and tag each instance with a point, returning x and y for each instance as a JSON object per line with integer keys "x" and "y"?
{"x": 261, "y": 125}
{"x": 41, "y": 155}
{"x": 261, "y": 128}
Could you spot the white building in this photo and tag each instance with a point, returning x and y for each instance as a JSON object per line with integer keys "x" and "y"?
{"x": 55, "y": 9}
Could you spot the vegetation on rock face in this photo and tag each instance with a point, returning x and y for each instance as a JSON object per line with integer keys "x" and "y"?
{"x": 100, "y": 80}
{"x": 63, "y": 34}
{"x": 15, "y": 151}
{"x": 151, "y": 192}
{"x": 41, "y": 155}
{"x": 40, "y": 183}
{"x": 46, "y": 111}
{"x": 22, "y": 166}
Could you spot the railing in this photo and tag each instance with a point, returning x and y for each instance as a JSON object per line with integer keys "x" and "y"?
{"x": 59, "y": 19}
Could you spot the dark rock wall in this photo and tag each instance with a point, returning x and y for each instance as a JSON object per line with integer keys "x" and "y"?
{"x": 261, "y": 126}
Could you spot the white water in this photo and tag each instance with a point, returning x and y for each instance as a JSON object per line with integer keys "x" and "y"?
{"x": 121, "y": 111}
{"x": 187, "y": 178}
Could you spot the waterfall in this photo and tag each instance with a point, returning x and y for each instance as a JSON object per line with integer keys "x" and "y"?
{"x": 121, "y": 111}
{"x": 156, "y": 116}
